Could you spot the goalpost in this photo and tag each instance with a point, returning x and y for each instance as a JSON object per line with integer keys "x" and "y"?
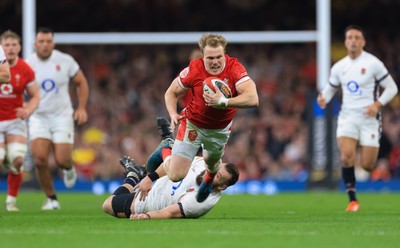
{"x": 321, "y": 36}
{"x": 321, "y": 149}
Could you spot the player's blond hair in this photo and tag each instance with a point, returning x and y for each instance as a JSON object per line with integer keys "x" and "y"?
{"x": 10, "y": 34}
{"x": 212, "y": 40}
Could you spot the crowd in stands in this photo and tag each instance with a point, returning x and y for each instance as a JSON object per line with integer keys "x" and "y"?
{"x": 127, "y": 93}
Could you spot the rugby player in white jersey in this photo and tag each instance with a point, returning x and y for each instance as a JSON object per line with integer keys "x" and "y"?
{"x": 52, "y": 124}
{"x": 5, "y": 75}
{"x": 167, "y": 199}
{"x": 360, "y": 76}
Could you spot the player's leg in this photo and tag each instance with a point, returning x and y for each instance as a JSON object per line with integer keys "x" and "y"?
{"x": 40, "y": 143}
{"x": 63, "y": 158}
{"x": 63, "y": 142}
{"x": 369, "y": 156}
{"x": 369, "y": 142}
{"x": 40, "y": 149}
{"x": 164, "y": 148}
{"x": 119, "y": 203}
{"x": 186, "y": 146}
{"x": 348, "y": 148}
{"x": 16, "y": 152}
{"x": 213, "y": 150}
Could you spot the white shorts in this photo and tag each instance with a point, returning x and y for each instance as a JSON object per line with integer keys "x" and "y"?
{"x": 58, "y": 129}
{"x": 366, "y": 130}
{"x": 16, "y": 127}
{"x": 190, "y": 138}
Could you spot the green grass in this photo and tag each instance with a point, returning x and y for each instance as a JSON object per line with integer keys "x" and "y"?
{"x": 284, "y": 220}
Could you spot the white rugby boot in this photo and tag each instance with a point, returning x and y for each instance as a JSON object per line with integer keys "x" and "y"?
{"x": 51, "y": 204}
{"x": 69, "y": 177}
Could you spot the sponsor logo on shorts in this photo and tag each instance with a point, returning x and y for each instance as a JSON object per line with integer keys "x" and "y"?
{"x": 192, "y": 135}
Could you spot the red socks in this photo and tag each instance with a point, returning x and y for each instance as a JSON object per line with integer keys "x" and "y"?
{"x": 14, "y": 183}
{"x": 209, "y": 177}
{"x": 165, "y": 152}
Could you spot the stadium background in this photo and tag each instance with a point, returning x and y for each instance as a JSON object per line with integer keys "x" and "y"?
{"x": 269, "y": 144}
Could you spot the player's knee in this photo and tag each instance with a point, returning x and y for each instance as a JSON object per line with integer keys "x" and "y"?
{"x": 64, "y": 163}
{"x": 175, "y": 176}
{"x": 107, "y": 207}
{"x": 17, "y": 166}
{"x": 16, "y": 154}
{"x": 40, "y": 162}
{"x": 368, "y": 166}
{"x": 347, "y": 158}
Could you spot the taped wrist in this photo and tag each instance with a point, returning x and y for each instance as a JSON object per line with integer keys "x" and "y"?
{"x": 153, "y": 176}
{"x": 223, "y": 102}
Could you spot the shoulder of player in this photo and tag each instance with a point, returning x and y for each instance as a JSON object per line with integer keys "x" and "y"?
{"x": 371, "y": 57}
{"x": 62, "y": 55}
{"x": 22, "y": 65}
{"x": 340, "y": 63}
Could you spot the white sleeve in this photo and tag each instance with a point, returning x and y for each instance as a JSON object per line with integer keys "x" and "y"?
{"x": 193, "y": 209}
{"x": 328, "y": 92}
{"x": 390, "y": 90}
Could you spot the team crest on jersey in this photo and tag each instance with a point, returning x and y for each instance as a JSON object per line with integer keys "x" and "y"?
{"x": 184, "y": 72}
{"x": 373, "y": 136}
{"x": 58, "y": 67}
{"x": 6, "y": 89}
{"x": 363, "y": 71}
{"x": 192, "y": 135}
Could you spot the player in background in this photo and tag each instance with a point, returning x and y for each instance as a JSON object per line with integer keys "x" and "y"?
{"x": 13, "y": 112}
{"x": 52, "y": 124}
{"x": 4, "y": 68}
{"x": 360, "y": 75}
{"x": 206, "y": 121}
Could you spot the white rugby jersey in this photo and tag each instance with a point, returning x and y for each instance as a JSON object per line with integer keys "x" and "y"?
{"x": 165, "y": 193}
{"x": 53, "y": 76}
{"x": 359, "y": 80}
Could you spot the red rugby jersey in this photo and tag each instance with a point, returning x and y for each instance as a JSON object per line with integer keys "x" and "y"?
{"x": 11, "y": 94}
{"x": 196, "y": 111}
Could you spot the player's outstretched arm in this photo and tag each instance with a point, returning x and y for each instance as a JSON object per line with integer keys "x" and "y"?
{"x": 170, "y": 212}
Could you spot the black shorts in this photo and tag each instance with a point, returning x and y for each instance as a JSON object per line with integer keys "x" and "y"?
{"x": 121, "y": 205}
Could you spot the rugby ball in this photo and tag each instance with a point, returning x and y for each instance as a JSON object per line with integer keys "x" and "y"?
{"x": 211, "y": 83}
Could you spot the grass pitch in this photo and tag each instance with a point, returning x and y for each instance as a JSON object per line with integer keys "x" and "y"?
{"x": 284, "y": 220}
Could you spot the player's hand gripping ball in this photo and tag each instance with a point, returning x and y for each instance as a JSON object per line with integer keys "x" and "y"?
{"x": 211, "y": 83}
